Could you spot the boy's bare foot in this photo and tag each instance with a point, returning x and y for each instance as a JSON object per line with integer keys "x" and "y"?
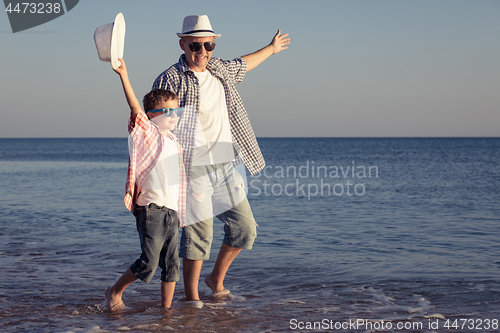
{"x": 215, "y": 292}
{"x": 115, "y": 302}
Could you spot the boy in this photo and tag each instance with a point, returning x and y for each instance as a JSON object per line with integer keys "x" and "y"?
{"x": 155, "y": 190}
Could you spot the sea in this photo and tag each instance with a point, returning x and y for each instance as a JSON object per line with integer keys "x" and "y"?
{"x": 355, "y": 235}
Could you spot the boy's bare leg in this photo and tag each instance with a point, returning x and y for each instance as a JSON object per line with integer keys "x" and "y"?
{"x": 191, "y": 270}
{"x": 215, "y": 280}
{"x": 167, "y": 293}
{"x": 114, "y": 293}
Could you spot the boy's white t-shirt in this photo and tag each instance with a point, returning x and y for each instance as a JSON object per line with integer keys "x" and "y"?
{"x": 161, "y": 185}
{"x": 213, "y": 141}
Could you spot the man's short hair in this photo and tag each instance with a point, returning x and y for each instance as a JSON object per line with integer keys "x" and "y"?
{"x": 152, "y": 98}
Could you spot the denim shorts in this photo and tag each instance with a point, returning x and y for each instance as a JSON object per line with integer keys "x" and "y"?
{"x": 158, "y": 232}
{"x": 216, "y": 190}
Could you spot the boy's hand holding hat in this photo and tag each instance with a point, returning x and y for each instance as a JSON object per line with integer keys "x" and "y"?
{"x": 109, "y": 40}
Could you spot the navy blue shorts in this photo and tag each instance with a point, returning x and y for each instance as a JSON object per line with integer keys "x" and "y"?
{"x": 158, "y": 232}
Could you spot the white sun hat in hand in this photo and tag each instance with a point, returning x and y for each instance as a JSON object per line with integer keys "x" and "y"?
{"x": 109, "y": 40}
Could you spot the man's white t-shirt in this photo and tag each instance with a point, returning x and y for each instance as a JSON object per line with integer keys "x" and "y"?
{"x": 213, "y": 141}
{"x": 161, "y": 185}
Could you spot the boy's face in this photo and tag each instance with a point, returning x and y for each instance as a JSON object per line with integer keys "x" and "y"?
{"x": 171, "y": 122}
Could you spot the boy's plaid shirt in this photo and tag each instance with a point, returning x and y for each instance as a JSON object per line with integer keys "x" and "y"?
{"x": 145, "y": 145}
{"x": 181, "y": 80}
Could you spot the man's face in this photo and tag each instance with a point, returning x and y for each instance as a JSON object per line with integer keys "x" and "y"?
{"x": 197, "y": 61}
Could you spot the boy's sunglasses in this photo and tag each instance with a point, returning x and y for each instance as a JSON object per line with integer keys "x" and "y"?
{"x": 169, "y": 112}
{"x": 196, "y": 46}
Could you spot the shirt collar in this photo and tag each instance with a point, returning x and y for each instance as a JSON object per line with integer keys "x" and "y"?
{"x": 183, "y": 64}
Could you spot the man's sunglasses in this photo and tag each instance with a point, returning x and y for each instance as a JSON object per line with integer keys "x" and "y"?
{"x": 169, "y": 112}
{"x": 196, "y": 46}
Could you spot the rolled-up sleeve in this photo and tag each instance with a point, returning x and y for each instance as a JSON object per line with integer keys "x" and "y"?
{"x": 236, "y": 68}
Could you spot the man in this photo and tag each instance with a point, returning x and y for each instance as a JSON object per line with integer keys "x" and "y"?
{"x": 215, "y": 133}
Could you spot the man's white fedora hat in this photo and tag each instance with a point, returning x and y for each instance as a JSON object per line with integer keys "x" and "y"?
{"x": 197, "y": 26}
{"x": 109, "y": 40}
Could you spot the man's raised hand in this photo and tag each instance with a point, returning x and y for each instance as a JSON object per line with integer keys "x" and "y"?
{"x": 279, "y": 42}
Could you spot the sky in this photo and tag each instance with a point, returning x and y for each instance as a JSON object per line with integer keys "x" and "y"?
{"x": 395, "y": 68}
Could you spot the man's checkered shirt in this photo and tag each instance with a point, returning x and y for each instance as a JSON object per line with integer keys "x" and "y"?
{"x": 181, "y": 80}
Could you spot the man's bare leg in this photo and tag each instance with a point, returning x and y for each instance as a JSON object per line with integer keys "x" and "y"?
{"x": 167, "y": 293}
{"x": 215, "y": 280}
{"x": 191, "y": 270}
{"x": 114, "y": 293}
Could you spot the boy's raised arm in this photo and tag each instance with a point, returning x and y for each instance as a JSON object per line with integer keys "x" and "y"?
{"x": 132, "y": 101}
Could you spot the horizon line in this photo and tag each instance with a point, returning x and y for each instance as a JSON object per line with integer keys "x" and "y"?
{"x": 288, "y": 137}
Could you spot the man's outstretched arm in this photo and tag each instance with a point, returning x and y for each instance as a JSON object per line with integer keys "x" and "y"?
{"x": 277, "y": 44}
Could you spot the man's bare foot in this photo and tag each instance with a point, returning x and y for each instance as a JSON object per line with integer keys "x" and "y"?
{"x": 216, "y": 292}
{"x": 114, "y": 301}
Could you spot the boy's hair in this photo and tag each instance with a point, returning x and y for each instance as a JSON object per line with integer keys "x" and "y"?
{"x": 152, "y": 98}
